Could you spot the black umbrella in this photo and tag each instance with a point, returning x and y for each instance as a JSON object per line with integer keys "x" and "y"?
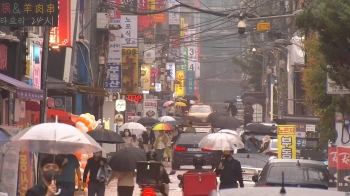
{"x": 147, "y": 121}
{"x": 106, "y": 136}
{"x": 230, "y": 100}
{"x": 258, "y": 128}
{"x": 249, "y": 100}
{"x": 180, "y": 120}
{"x": 126, "y": 158}
{"x": 191, "y": 97}
{"x": 227, "y": 122}
{"x": 212, "y": 117}
{"x": 193, "y": 119}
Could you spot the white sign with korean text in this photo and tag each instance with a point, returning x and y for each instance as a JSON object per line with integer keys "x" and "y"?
{"x": 174, "y": 15}
{"x": 129, "y": 31}
{"x": 114, "y": 52}
{"x": 311, "y": 128}
{"x": 334, "y": 89}
{"x": 170, "y": 67}
{"x": 150, "y": 109}
{"x": 174, "y": 53}
{"x": 149, "y": 55}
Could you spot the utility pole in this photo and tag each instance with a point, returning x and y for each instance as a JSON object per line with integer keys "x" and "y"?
{"x": 43, "y": 103}
{"x": 265, "y": 84}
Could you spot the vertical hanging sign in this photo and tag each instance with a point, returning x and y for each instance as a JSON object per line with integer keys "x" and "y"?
{"x": 129, "y": 31}
{"x": 113, "y": 78}
{"x": 190, "y": 77}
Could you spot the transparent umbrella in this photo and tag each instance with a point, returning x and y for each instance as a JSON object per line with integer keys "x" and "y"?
{"x": 221, "y": 141}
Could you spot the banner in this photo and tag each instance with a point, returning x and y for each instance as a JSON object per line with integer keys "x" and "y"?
{"x": 180, "y": 87}
{"x": 343, "y": 169}
{"x": 146, "y": 77}
{"x": 113, "y": 78}
{"x": 25, "y": 173}
{"x": 114, "y": 52}
{"x": 129, "y": 30}
{"x": 130, "y": 69}
{"x": 150, "y": 109}
{"x": 190, "y": 85}
{"x": 170, "y": 68}
{"x": 286, "y": 142}
{"x": 182, "y": 27}
{"x": 332, "y": 166}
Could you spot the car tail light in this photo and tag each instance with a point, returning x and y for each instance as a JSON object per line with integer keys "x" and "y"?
{"x": 266, "y": 185}
{"x": 177, "y": 148}
{"x": 148, "y": 192}
{"x": 206, "y": 149}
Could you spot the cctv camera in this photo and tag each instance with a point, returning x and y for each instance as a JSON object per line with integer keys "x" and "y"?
{"x": 241, "y": 27}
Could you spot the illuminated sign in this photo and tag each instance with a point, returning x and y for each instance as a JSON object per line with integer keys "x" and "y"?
{"x": 134, "y": 98}
{"x": 180, "y": 79}
{"x": 61, "y": 35}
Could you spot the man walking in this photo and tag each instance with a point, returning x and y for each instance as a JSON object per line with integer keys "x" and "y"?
{"x": 70, "y": 167}
{"x": 93, "y": 165}
{"x": 148, "y": 138}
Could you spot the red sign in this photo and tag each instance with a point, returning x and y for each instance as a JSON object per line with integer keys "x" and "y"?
{"x": 117, "y": 12}
{"x": 160, "y": 5}
{"x": 159, "y": 18}
{"x": 332, "y": 157}
{"x": 134, "y": 98}
{"x": 175, "y": 42}
{"x": 61, "y": 35}
{"x": 50, "y": 102}
{"x": 3, "y": 57}
{"x": 143, "y": 5}
{"x": 343, "y": 158}
{"x": 37, "y": 77}
{"x": 25, "y": 173}
{"x": 144, "y": 21}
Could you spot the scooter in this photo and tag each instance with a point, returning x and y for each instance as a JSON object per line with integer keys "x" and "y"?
{"x": 149, "y": 190}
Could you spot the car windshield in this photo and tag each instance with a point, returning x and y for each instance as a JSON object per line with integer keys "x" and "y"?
{"x": 190, "y": 138}
{"x": 200, "y": 110}
{"x": 292, "y": 173}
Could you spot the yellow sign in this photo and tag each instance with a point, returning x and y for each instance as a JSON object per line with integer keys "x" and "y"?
{"x": 151, "y": 5}
{"x": 182, "y": 27}
{"x": 130, "y": 71}
{"x": 180, "y": 79}
{"x": 263, "y": 26}
{"x": 286, "y": 138}
{"x": 146, "y": 77}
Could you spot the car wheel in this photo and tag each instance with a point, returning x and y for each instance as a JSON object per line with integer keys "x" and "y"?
{"x": 175, "y": 166}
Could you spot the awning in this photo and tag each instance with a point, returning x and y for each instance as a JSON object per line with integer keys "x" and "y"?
{"x": 23, "y": 90}
{"x": 92, "y": 90}
{"x": 56, "y": 84}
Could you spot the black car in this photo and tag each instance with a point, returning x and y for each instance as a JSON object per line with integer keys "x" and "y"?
{"x": 297, "y": 173}
{"x": 186, "y": 146}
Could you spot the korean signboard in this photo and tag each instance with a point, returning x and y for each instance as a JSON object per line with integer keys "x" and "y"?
{"x": 173, "y": 54}
{"x": 334, "y": 89}
{"x": 26, "y": 179}
{"x": 29, "y": 13}
{"x": 174, "y": 30}
{"x": 146, "y": 77}
{"x": 150, "y": 109}
{"x": 190, "y": 85}
{"x": 129, "y": 31}
{"x": 114, "y": 52}
{"x": 130, "y": 69}
{"x": 36, "y": 65}
{"x": 114, "y": 12}
{"x": 149, "y": 55}
{"x": 143, "y": 5}
{"x": 113, "y": 78}
{"x": 170, "y": 67}
{"x": 159, "y": 50}
{"x": 174, "y": 17}
{"x": 182, "y": 27}
{"x": 180, "y": 87}
{"x": 62, "y": 34}
{"x": 159, "y": 18}
{"x": 148, "y": 35}
{"x": 129, "y": 5}
{"x": 286, "y": 142}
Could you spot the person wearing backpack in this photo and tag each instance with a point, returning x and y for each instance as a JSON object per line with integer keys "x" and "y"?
{"x": 252, "y": 145}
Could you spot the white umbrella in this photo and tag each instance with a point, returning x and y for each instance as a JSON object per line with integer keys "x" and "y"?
{"x": 54, "y": 138}
{"x": 228, "y": 131}
{"x": 221, "y": 141}
{"x": 166, "y": 119}
{"x": 135, "y": 128}
{"x": 167, "y": 103}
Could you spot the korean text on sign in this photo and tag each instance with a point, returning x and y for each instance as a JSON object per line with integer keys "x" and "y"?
{"x": 29, "y": 13}
{"x": 286, "y": 142}
{"x": 113, "y": 78}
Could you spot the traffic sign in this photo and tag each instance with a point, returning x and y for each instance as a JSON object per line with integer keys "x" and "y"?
{"x": 301, "y": 143}
{"x": 120, "y": 105}
{"x": 263, "y": 26}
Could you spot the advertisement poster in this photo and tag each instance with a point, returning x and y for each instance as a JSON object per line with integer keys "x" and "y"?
{"x": 114, "y": 52}
{"x": 146, "y": 77}
{"x": 113, "y": 78}
{"x": 150, "y": 109}
{"x": 180, "y": 88}
{"x": 170, "y": 68}
{"x": 190, "y": 85}
{"x": 129, "y": 31}
{"x": 130, "y": 69}
{"x": 343, "y": 169}
{"x": 286, "y": 142}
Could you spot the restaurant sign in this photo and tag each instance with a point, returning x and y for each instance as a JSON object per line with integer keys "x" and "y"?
{"x": 29, "y": 13}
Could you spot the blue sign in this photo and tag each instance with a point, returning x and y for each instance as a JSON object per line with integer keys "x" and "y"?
{"x": 113, "y": 78}
{"x": 190, "y": 76}
{"x": 301, "y": 143}
{"x": 60, "y": 102}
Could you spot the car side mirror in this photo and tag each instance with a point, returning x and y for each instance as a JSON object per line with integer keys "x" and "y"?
{"x": 255, "y": 178}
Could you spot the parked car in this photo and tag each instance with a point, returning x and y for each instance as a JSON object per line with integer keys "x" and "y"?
{"x": 297, "y": 173}
{"x": 186, "y": 146}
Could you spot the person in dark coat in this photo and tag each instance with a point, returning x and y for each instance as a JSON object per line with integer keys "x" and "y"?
{"x": 233, "y": 109}
{"x": 148, "y": 138}
{"x": 230, "y": 171}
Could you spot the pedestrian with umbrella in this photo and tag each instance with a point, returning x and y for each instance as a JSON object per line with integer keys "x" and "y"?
{"x": 123, "y": 164}
{"x": 106, "y": 136}
{"x": 147, "y": 121}
{"x": 161, "y": 144}
{"x": 212, "y": 117}
{"x": 148, "y": 138}
{"x": 232, "y": 109}
{"x": 226, "y": 122}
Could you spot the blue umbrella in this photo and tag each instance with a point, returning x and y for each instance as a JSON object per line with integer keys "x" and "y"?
{"x": 4, "y": 136}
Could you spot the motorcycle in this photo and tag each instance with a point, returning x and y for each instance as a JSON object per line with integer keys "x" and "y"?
{"x": 149, "y": 190}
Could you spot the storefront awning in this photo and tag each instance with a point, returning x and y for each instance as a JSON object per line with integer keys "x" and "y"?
{"x": 23, "y": 90}
{"x": 92, "y": 90}
{"x": 56, "y": 84}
